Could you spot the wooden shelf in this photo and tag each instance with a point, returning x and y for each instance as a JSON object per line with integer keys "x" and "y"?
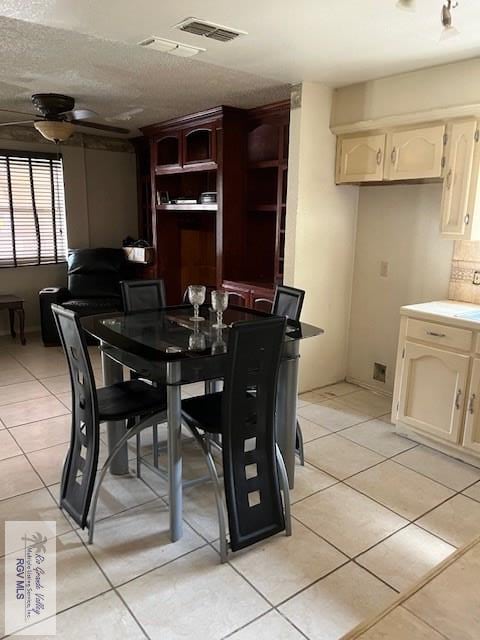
{"x": 267, "y": 164}
{"x": 186, "y": 168}
{"x": 187, "y": 207}
{"x": 263, "y": 207}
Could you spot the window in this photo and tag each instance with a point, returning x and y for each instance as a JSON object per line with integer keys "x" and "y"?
{"x": 32, "y": 209}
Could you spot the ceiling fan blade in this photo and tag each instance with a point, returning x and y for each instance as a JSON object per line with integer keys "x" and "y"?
{"x": 9, "y": 124}
{"x": 20, "y": 113}
{"x": 102, "y": 127}
{"x": 80, "y": 114}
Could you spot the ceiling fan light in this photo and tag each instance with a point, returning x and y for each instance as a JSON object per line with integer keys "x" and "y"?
{"x": 54, "y": 130}
{"x": 407, "y": 5}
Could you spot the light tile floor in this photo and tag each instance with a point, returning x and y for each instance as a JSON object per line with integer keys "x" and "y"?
{"x": 372, "y": 513}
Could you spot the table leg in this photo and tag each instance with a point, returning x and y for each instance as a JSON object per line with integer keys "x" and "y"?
{"x": 286, "y": 413}
{"x": 21, "y": 317}
{"x": 174, "y": 417}
{"x": 11, "y": 314}
{"x": 112, "y": 373}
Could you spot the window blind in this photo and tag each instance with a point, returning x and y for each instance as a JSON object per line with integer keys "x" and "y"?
{"x": 32, "y": 209}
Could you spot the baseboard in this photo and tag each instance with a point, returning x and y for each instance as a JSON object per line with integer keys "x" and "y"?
{"x": 369, "y": 387}
{"x": 34, "y": 329}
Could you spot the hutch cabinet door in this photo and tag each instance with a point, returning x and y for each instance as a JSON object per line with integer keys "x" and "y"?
{"x": 199, "y": 145}
{"x": 456, "y": 217}
{"x": 432, "y": 393}
{"x": 167, "y": 151}
{"x": 237, "y": 294}
{"x": 471, "y": 437}
{"x": 360, "y": 159}
{"x": 415, "y": 153}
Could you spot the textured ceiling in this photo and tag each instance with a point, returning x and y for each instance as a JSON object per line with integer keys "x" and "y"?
{"x": 114, "y": 78}
{"x": 338, "y": 41}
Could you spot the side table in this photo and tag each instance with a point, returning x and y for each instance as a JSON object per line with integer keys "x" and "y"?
{"x": 14, "y": 304}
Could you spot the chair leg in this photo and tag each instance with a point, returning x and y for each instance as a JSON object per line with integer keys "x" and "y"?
{"x": 300, "y": 450}
{"x": 155, "y": 445}
{"x": 285, "y": 490}
{"x": 136, "y": 429}
{"x": 222, "y": 516}
{"x": 139, "y": 464}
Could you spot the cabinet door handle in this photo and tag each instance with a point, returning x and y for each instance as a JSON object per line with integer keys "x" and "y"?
{"x": 471, "y": 405}
{"x": 394, "y": 155}
{"x": 449, "y": 179}
{"x": 457, "y": 399}
{"x": 435, "y": 334}
{"x": 467, "y": 218}
{"x": 379, "y": 156}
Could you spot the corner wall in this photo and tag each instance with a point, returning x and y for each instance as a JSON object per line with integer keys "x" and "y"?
{"x": 101, "y": 208}
{"x": 320, "y": 236}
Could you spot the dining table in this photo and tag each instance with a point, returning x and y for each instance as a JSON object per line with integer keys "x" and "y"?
{"x": 168, "y": 347}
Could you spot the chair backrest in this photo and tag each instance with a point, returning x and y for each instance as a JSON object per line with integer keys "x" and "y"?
{"x": 288, "y": 302}
{"x": 251, "y": 481}
{"x": 143, "y": 295}
{"x": 81, "y": 463}
{"x": 96, "y": 273}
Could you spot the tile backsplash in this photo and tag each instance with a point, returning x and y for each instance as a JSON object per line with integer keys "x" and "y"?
{"x": 466, "y": 260}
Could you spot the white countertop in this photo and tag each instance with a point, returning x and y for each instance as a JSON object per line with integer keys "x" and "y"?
{"x": 448, "y": 311}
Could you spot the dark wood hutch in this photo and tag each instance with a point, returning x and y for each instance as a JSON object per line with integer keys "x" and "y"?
{"x": 237, "y": 243}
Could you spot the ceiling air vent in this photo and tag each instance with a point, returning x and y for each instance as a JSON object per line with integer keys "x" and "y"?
{"x": 171, "y": 47}
{"x": 209, "y": 30}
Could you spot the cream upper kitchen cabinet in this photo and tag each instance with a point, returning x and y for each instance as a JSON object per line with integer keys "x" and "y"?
{"x": 471, "y": 436}
{"x": 460, "y": 186}
{"x": 432, "y": 392}
{"x": 415, "y": 153}
{"x": 360, "y": 159}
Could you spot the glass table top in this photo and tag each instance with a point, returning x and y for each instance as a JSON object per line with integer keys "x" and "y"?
{"x": 170, "y": 333}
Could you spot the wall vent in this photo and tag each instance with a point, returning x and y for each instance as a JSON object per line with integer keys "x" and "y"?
{"x": 170, "y": 46}
{"x": 209, "y": 30}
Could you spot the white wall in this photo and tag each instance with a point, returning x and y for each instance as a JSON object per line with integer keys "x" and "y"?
{"x": 320, "y": 237}
{"x": 398, "y": 224}
{"x": 101, "y": 206}
{"x": 449, "y": 85}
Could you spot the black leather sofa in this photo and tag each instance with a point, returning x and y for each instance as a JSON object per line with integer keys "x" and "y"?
{"x": 93, "y": 287}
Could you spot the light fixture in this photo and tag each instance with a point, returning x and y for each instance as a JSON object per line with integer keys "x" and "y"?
{"x": 54, "y": 130}
{"x": 407, "y": 5}
{"x": 446, "y": 17}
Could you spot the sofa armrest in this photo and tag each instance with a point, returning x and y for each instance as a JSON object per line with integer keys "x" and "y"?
{"x": 47, "y": 297}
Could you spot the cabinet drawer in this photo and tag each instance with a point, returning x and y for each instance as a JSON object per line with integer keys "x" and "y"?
{"x": 439, "y": 334}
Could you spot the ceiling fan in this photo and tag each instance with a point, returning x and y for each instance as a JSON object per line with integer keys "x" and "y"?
{"x": 57, "y": 117}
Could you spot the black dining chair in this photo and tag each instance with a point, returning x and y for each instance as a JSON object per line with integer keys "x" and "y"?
{"x": 253, "y": 467}
{"x": 288, "y": 302}
{"x": 145, "y": 295}
{"x": 134, "y": 401}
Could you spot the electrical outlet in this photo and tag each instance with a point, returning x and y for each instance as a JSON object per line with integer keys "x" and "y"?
{"x": 476, "y": 277}
{"x": 379, "y": 372}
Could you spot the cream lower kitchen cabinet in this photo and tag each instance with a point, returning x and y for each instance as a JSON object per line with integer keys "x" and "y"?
{"x": 415, "y": 153}
{"x": 436, "y": 399}
{"x": 458, "y": 215}
{"x": 471, "y": 437}
{"x": 433, "y": 390}
{"x": 360, "y": 159}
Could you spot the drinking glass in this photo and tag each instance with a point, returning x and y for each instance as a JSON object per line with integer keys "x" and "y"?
{"x": 219, "y": 304}
{"x": 196, "y": 295}
{"x": 197, "y": 341}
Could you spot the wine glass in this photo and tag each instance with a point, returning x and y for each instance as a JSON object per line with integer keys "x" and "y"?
{"x": 219, "y": 304}
{"x": 197, "y": 341}
{"x": 196, "y": 295}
